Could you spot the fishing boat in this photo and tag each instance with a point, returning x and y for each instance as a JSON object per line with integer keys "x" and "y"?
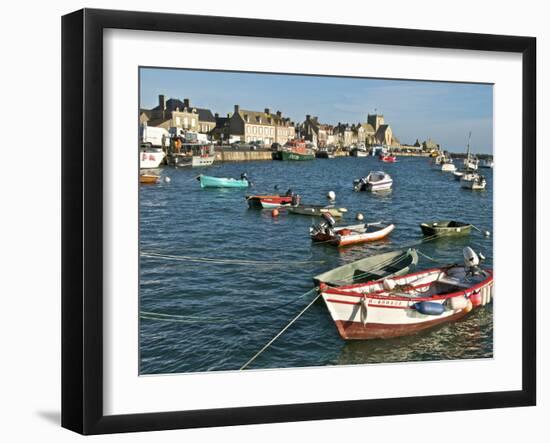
{"x": 317, "y": 210}
{"x": 411, "y": 303}
{"x": 149, "y": 179}
{"x": 272, "y": 201}
{"x": 324, "y": 153}
{"x": 374, "y": 267}
{"x": 476, "y": 182}
{"x": 486, "y": 163}
{"x": 294, "y": 150}
{"x": 444, "y": 228}
{"x": 375, "y": 181}
{"x": 359, "y": 151}
{"x": 207, "y": 181}
{"x": 193, "y": 154}
{"x": 327, "y": 232}
{"x": 150, "y": 157}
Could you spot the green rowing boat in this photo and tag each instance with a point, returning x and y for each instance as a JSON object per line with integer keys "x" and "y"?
{"x": 317, "y": 210}
{"x": 375, "y": 267}
{"x": 444, "y": 228}
{"x": 221, "y": 182}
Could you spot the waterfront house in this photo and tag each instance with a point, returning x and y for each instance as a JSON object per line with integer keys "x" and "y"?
{"x": 261, "y": 126}
{"x": 175, "y": 113}
{"x": 318, "y": 133}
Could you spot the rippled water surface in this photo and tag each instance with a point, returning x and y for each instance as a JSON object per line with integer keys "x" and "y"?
{"x": 208, "y": 305}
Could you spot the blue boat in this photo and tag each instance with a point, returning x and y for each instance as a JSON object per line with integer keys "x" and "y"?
{"x": 207, "y": 181}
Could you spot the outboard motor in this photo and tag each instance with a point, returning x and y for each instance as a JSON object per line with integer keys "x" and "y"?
{"x": 329, "y": 219}
{"x": 244, "y": 176}
{"x": 295, "y": 200}
{"x": 472, "y": 261}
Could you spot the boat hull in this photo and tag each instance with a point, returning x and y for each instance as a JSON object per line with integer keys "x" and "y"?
{"x": 219, "y": 182}
{"x": 149, "y": 179}
{"x": 380, "y": 315}
{"x": 150, "y": 159}
{"x": 445, "y": 231}
{"x": 342, "y": 238}
{"x": 268, "y": 201}
{"x": 195, "y": 161}
{"x": 315, "y": 211}
{"x": 295, "y": 156}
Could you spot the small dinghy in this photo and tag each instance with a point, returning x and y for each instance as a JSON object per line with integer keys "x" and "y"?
{"x": 273, "y": 201}
{"x": 317, "y": 210}
{"x": 207, "y": 181}
{"x": 149, "y": 179}
{"x": 447, "y": 165}
{"x": 388, "y": 158}
{"x": 374, "y": 267}
{"x": 327, "y": 232}
{"x": 406, "y": 305}
{"x": 443, "y": 228}
{"x": 375, "y": 181}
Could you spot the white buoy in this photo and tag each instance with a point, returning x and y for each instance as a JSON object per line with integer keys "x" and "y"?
{"x": 331, "y": 195}
{"x": 166, "y": 179}
{"x": 359, "y": 216}
{"x": 487, "y": 234}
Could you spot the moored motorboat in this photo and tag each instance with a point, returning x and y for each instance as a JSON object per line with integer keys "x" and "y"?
{"x": 475, "y": 182}
{"x": 327, "y": 232}
{"x": 295, "y": 150}
{"x": 375, "y": 181}
{"x": 374, "y": 267}
{"x": 193, "y": 154}
{"x": 447, "y": 165}
{"x": 388, "y": 158}
{"x": 272, "y": 201}
{"x": 406, "y": 305}
{"x": 317, "y": 210}
{"x": 207, "y": 181}
{"x": 444, "y": 228}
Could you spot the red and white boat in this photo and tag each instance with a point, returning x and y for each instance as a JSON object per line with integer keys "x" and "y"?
{"x": 396, "y": 307}
{"x": 271, "y": 201}
{"x": 349, "y": 235}
{"x": 388, "y": 158}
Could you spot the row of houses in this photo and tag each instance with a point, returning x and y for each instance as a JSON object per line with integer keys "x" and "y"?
{"x": 267, "y": 126}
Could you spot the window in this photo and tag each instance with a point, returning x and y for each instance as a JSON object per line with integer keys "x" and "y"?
{"x": 185, "y": 122}
{"x": 178, "y": 121}
{"x": 192, "y": 122}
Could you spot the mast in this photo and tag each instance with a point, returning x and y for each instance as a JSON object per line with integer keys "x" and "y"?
{"x": 468, "y": 151}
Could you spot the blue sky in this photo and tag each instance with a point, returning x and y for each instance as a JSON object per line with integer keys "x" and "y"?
{"x": 446, "y": 112}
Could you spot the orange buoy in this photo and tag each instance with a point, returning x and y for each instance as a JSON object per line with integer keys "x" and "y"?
{"x": 275, "y": 213}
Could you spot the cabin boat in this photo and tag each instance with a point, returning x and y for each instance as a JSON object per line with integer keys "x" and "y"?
{"x": 475, "y": 182}
{"x": 349, "y": 235}
{"x": 325, "y": 153}
{"x": 150, "y": 157}
{"x": 193, "y": 154}
{"x": 317, "y": 210}
{"x": 374, "y": 267}
{"x": 377, "y": 150}
{"x": 447, "y": 165}
{"x": 207, "y": 181}
{"x": 444, "y": 228}
{"x": 408, "y": 304}
{"x": 272, "y": 201}
{"x": 375, "y": 181}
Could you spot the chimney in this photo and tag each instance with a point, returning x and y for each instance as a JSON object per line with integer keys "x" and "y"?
{"x": 266, "y": 110}
{"x": 162, "y": 102}
{"x": 186, "y": 103}
{"x": 279, "y": 113}
{"x": 308, "y": 117}
{"x": 236, "y": 109}
{"x": 216, "y": 115}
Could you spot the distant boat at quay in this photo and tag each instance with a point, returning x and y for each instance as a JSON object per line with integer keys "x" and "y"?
{"x": 194, "y": 155}
{"x": 294, "y": 150}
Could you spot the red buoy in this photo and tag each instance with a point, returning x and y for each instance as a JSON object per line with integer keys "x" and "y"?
{"x": 275, "y": 213}
{"x": 475, "y": 298}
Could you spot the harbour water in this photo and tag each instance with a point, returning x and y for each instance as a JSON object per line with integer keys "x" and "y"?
{"x": 209, "y": 303}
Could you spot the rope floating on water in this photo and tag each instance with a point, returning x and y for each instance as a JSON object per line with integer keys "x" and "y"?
{"x": 229, "y": 261}
{"x": 280, "y": 333}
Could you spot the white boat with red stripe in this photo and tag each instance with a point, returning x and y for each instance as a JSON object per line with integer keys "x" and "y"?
{"x": 409, "y": 304}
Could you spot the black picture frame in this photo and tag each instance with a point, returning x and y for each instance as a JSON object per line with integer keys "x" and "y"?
{"x": 82, "y": 219}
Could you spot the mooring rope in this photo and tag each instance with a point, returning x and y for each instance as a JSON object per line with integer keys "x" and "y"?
{"x": 229, "y": 261}
{"x": 279, "y": 333}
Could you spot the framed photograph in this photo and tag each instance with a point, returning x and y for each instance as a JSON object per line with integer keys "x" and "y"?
{"x": 269, "y": 221}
